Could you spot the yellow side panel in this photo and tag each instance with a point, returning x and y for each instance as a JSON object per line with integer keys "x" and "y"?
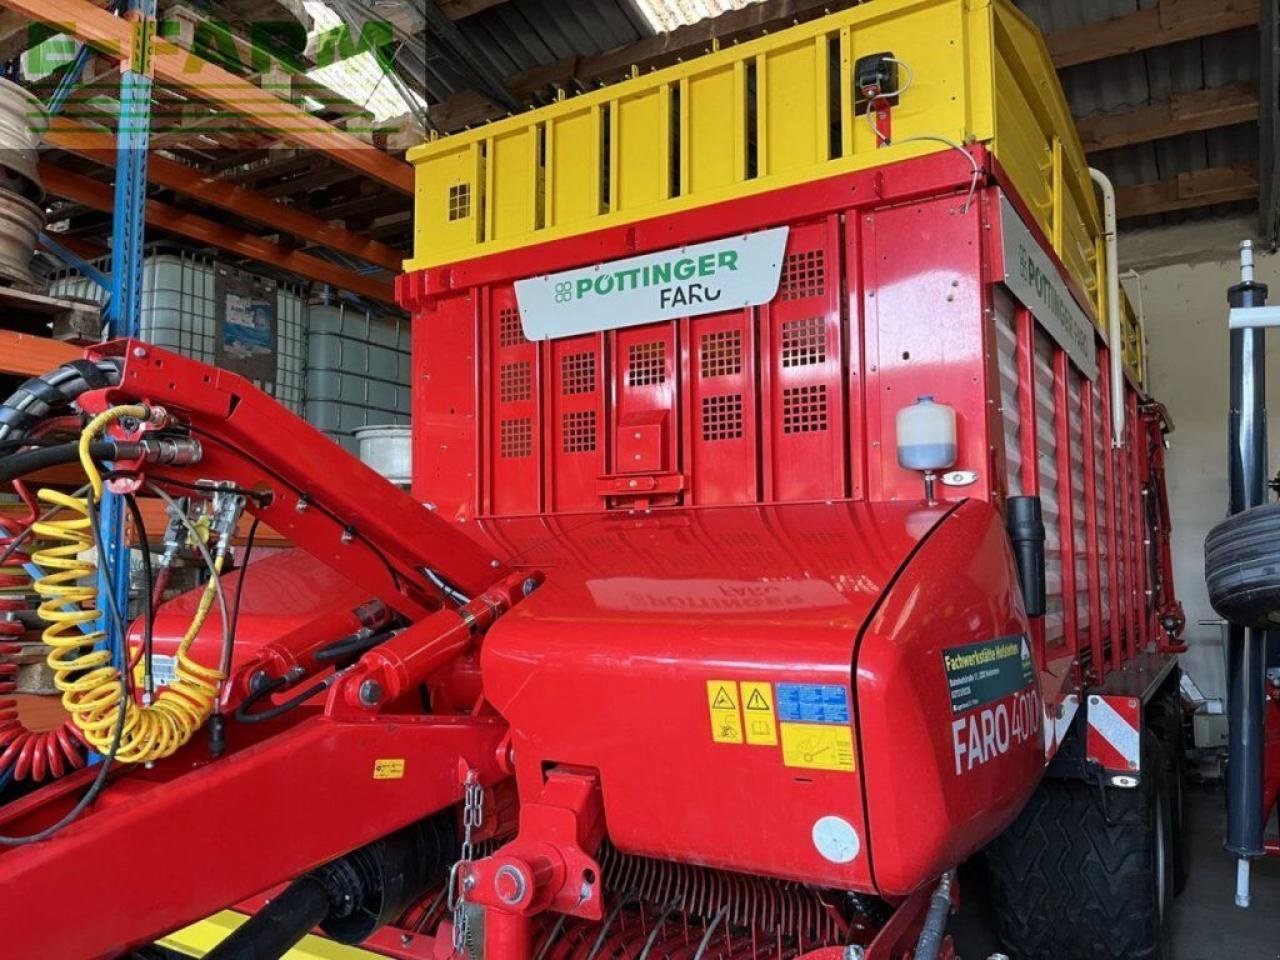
{"x": 640, "y": 149}
{"x": 513, "y": 184}
{"x": 573, "y": 159}
{"x": 713, "y": 128}
{"x": 932, "y": 43}
{"x": 1038, "y": 146}
{"x": 199, "y": 938}
{"x": 449, "y": 195}
{"x": 793, "y": 106}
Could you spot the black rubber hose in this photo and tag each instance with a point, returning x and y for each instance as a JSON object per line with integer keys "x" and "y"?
{"x": 18, "y": 465}
{"x": 275, "y": 929}
{"x": 47, "y": 395}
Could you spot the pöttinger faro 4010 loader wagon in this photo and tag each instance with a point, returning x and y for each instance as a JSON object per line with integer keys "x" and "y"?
{"x": 787, "y": 526}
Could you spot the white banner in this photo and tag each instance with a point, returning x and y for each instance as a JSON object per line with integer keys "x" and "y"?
{"x": 728, "y": 274}
{"x": 1030, "y": 275}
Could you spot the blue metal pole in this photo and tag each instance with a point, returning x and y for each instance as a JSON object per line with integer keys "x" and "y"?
{"x": 124, "y": 309}
{"x": 75, "y": 262}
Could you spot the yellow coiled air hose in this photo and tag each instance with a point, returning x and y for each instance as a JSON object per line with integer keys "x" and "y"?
{"x": 91, "y": 687}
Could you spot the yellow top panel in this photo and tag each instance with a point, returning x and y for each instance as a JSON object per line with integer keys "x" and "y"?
{"x": 773, "y": 112}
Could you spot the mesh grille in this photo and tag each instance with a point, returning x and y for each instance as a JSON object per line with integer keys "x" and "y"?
{"x": 804, "y": 274}
{"x": 804, "y": 409}
{"x": 515, "y": 381}
{"x": 578, "y": 429}
{"x": 515, "y": 437}
{"x": 577, "y": 373}
{"x": 722, "y": 417}
{"x": 510, "y": 333}
{"x": 804, "y": 342}
{"x": 646, "y": 363}
{"x": 721, "y": 353}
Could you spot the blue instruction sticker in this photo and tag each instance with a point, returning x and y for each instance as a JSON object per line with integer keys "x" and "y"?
{"x": 813, "y": 703}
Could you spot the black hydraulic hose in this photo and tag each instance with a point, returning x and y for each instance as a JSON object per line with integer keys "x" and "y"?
{"x": 19, "y": 465}
{"x": 935, "y": 921}
{"x": 242, "y": 714}
{"x": 51, "y": 393}
{"x": 274, "y": 930}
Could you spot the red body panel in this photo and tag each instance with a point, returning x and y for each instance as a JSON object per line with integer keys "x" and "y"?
{"x": 640, "y": 613}
{"x": 716, "y": 506}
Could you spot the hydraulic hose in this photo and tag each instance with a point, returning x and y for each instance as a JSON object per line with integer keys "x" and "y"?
{"x": 42, "y": 396}
{"x": 92, "y": 688}
{"x": 935, "y": 921}
{"x": 29, "y": 461}
{"x": 274, "y": 930}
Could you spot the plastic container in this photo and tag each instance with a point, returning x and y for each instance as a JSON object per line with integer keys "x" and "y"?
{"x": 358, "y": 371}
{"x": 389, "y": 450}
{"x": 926, "y": 435}
{"x": 178, "y": 313}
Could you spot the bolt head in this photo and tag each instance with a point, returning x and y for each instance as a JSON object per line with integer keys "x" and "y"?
{"x": 140, "y": 352}
{"x": 529, "y": 586}
{"x": 854, "y": 951}
{"x": 370, "y": 693}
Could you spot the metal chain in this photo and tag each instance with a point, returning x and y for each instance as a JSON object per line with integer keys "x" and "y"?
{"x": 472, "y": 818}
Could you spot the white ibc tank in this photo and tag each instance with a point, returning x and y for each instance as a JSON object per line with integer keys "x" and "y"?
{"x": 927, "y": 435}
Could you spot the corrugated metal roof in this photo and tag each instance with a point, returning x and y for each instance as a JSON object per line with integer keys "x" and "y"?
{"x": 1149, "y": 77}
{"x": 666, "y": 15}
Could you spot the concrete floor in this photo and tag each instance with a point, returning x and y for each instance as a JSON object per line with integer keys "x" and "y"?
{"x": 1206, "y": 923}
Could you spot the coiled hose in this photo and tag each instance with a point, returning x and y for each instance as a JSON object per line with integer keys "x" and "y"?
{"x": 25, "y": 753}
{"x": 92, "y": 688}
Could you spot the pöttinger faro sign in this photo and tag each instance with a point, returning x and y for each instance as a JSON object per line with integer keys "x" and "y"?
{"x": 1031, "y": 276}
{"x": 729, "y": 274}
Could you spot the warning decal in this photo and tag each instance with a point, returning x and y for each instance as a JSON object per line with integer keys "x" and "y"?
{"x": 388, "y": 768}
{"x": 722, "y": 705}
{"x": 818, "y": 746}
{"x": 757, "y": 710}
{"x": 981, "y": 673}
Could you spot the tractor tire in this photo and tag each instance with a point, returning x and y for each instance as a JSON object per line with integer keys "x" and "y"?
{"x": 1071, "y": 880}
{"x": 1242, "y": 567}
{"x": 1164, "y": 717}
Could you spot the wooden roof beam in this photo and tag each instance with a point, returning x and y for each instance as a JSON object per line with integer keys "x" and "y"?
{"x": 100, "y": 146}
{"x": 457, "y": 9}
{"x": 1169, "y": 21}
{"x": 470, "y": 107}
{"x": 1183, "y": 113}
{"x": 1196, "y": 188}
{"x": 180, "y": 68}
{"x": 94, "y": 193}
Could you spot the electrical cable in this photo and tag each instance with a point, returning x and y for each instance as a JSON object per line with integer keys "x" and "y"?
{"x": 148, "y": 603}
{"x": 214, "y": 570}
{"x": 244, "y": 566}
{"x": 89, "y": 681}
{"x": 108, "y": 758}
{"x": 870, "y": 112}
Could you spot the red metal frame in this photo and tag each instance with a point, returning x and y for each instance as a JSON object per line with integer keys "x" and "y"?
{"x": 777, "y": 542}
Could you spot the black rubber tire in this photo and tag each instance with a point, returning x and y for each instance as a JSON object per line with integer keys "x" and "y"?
{"x": 1242, "y": 567}
{"x": 1067, "y": 884}
{"x": 1164, "y": 717}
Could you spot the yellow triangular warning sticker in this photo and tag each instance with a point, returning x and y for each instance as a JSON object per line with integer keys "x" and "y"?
{"x": 757, "y": 702}
{"x": 723, "y": 700}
